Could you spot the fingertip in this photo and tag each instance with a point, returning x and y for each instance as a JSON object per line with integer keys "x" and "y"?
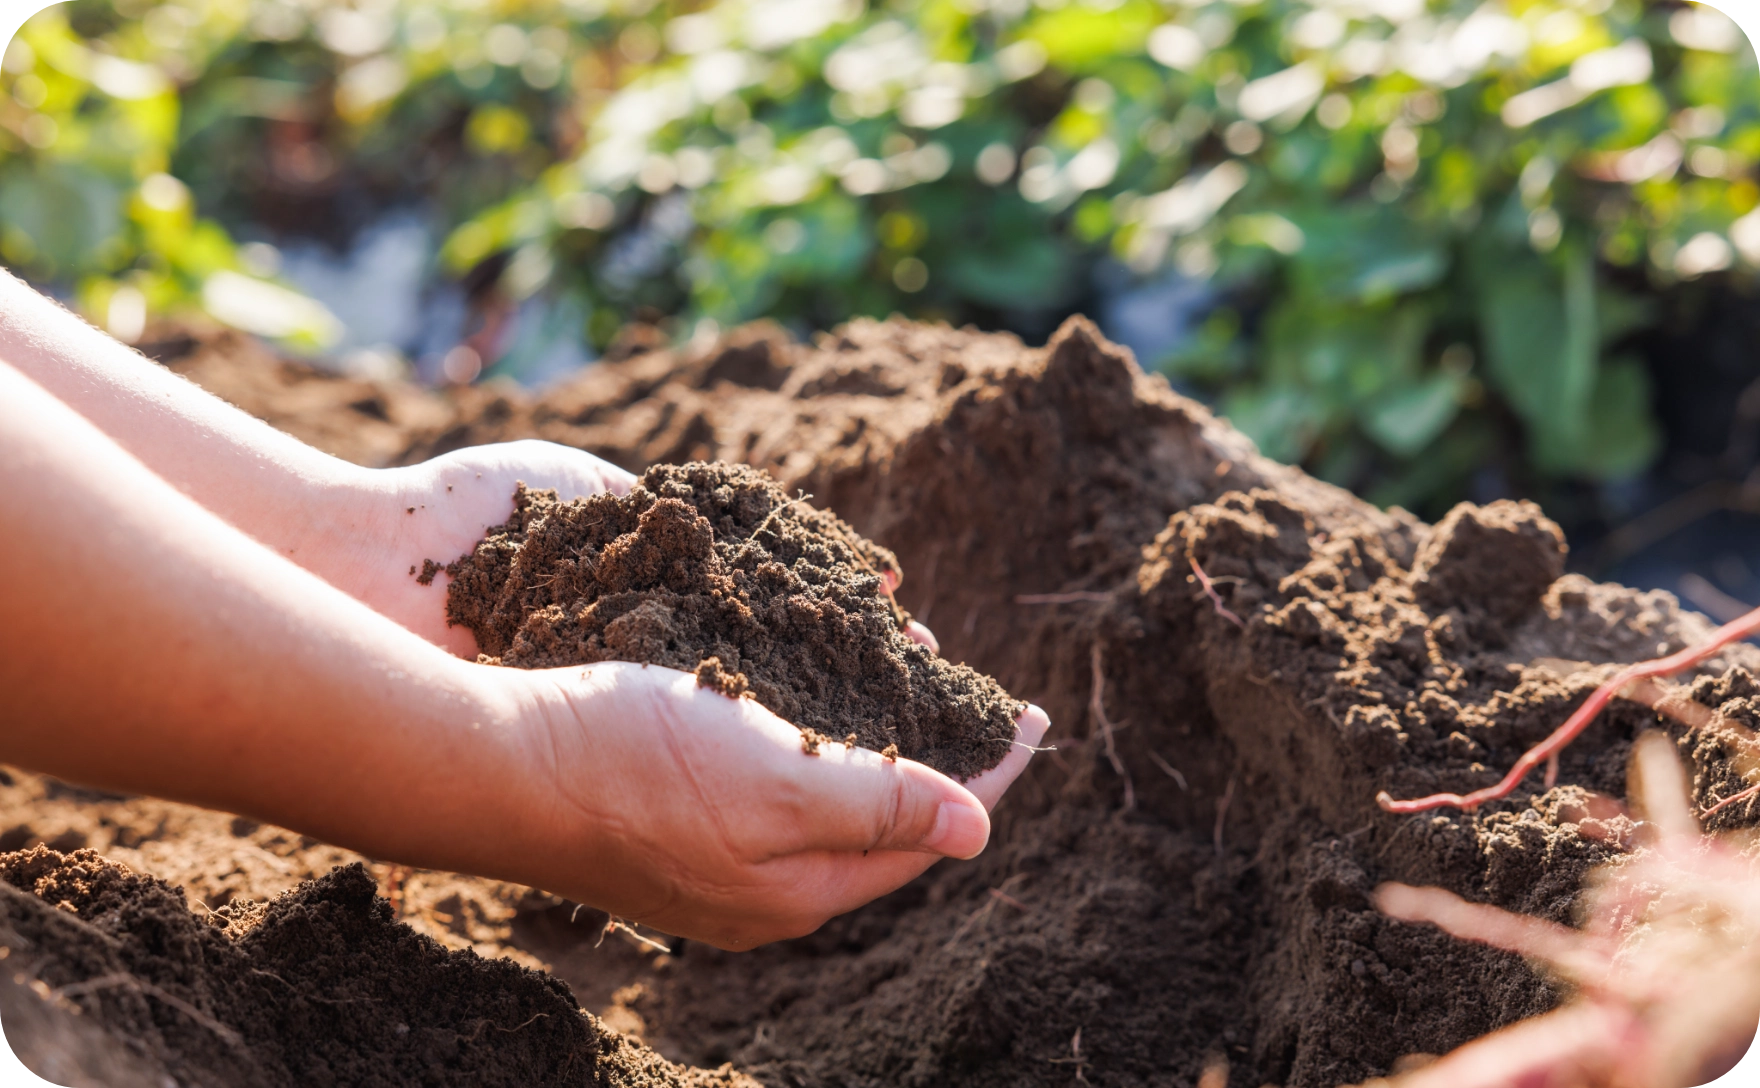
{"x": 917, "y": 633}
{"x": 1032, "y": 725}
{"x": 961, "y": 830}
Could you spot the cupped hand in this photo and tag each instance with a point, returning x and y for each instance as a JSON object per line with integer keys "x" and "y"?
{"x": 702, "y": 816}
{"x": 440, "y": 508}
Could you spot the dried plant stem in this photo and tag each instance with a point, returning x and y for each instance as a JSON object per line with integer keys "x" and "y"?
{"x": 1097, "y": 706}
{"x": 1548, "y": 749}
{"x": 1215, "y": 597}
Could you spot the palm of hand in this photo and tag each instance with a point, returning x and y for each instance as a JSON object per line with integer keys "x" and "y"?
{"x": 440, "y": 508}
{"x": 702, "y": 816}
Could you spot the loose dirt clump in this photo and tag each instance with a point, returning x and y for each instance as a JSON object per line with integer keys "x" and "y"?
{"x": 712, "y": 569}
{"x": 1236, "y": 659}
{"x": 319, "y": 986}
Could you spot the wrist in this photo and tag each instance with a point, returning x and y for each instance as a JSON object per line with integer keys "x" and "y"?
{"x": 511, "y": 815}
{"x": 339, "y": 522}
{"x": 442, "y": 777}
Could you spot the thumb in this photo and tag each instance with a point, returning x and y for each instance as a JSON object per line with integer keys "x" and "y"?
{"x": 861, "y": 801}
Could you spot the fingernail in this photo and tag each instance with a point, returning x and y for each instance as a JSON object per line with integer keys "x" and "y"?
{"x": 960, "y": 831}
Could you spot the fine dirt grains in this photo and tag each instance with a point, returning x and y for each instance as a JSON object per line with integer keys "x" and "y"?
{"x": 318, "y": 987}
{"x": 712, "y": 569}
{"x": 1184, "y": 883}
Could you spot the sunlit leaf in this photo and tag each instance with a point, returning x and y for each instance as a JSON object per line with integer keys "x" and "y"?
{"x": 1406, "y": 419}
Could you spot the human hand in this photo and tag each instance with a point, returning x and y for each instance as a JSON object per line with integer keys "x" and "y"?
{"x": 669, "y": 804}
{"x": 440, "y": 508}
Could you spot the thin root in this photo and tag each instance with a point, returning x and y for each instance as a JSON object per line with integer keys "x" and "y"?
{"x": 128, "y": 981}
{"x": 1549, "y": 748}
{"x": 996, "y": 895}
{"x": 1215, "y": 597}
{"x": 1097, "y": 705}
{"x": 481, "y": 1024}
{"x": 614, "y": 924}
{"x": 1728, "y": 801}
{"x": 800, "y": 497}
{"x": 1170, "y": 770}
{"x": 1222, "y": 814}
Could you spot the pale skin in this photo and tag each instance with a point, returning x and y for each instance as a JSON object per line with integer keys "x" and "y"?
{"x": 199, "y": 607}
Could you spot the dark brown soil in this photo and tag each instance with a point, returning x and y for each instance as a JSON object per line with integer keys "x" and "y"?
{"x": 1185, "y": 880}
{"x": 318, "y": 987}
{"x": 713, "y": 569}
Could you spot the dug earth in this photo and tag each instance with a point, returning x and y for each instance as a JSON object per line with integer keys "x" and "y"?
{"x": 1236, "y": 659}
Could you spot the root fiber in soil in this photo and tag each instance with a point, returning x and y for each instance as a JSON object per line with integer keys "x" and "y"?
{"x": 1183, "y": 884}
{"x": 712, "y": 569}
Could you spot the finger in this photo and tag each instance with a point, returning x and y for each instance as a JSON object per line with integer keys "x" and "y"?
{"x": 890, "y": 580}
{"x": 616, "y": 480}
{"x": 1659, "y": 787}
{"x": 825, "y": 884}
{"x": 1030, "y": 729}
{"x": 861, "y": 801}
{"x": 921, "y": 635}
{"x": 843, "y": 882}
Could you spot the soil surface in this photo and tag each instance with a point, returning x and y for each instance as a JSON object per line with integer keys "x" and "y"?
{"x": 1182, "y": 885}
{"x": 713, "y": 569}
{"x": 321, "y": 986}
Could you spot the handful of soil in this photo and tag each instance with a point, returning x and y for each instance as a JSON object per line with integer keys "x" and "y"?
{"x": 711, "y": 568}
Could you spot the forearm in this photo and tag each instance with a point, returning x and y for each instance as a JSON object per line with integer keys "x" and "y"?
{"x": 147, "y": 646}
{"x": 294, "y": 499}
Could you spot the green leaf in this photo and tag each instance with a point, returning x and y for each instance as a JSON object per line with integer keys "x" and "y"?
{"x": 1541, "y": 343}
{"x": 1344, "y": 354}
{"x": 1407, "y": 419}
{"x": 1028, "y": 272}
{"x": 1620, "y": 438}
{"x": 1283, "y": 421}
{"x": 1077, "y": 36}
{"x": 70, "y": 214}
{"x": 1366, "y": 253}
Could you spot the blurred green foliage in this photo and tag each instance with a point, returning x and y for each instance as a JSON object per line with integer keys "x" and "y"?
{"x": 1432, "y": 228}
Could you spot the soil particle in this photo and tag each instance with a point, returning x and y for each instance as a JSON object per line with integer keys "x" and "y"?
{"x": 1048, "y": 505}
{"x": 319, "y": 986}
{"x": 1498, "y": 559}
{"x": 713, "y": 569}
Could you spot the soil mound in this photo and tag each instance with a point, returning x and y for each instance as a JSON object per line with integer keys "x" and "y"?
{"x": 712, "y": 569}
{"x": 1235, "y": 657}
{"x": 319, "y": 986}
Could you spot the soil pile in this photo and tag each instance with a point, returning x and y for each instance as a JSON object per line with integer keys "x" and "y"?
{"x": 319, "y": 986}
{"x": 1235, "y": 658}
{"x": 712, "y": 569}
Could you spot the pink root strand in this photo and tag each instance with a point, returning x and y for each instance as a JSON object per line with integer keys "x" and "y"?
{"x": 1733, "y": 798}
{"x": 1547, "y": 750}
{"x": 1215, "y": 597}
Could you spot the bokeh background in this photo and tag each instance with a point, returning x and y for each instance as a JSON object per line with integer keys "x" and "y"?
{"x": 1431, "y": 251}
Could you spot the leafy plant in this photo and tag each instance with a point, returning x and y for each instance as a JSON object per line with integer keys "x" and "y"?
{"x": 1428, "y": 230}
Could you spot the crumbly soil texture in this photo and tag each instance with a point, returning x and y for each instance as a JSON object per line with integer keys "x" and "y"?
{"x": 1182, "y": 885}
{"x": 713, "y": 569}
